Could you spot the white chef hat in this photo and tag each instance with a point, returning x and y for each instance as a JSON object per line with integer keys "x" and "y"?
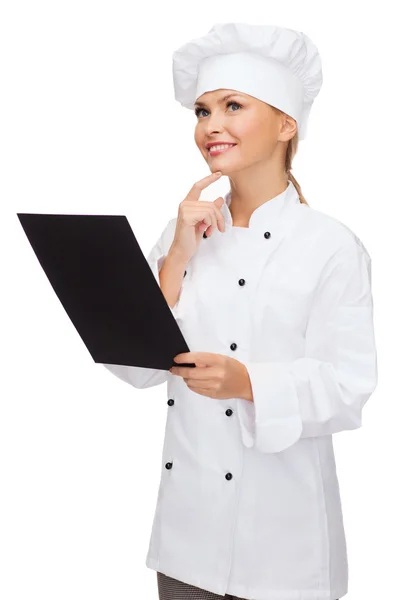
{"x": 279, "y": 66}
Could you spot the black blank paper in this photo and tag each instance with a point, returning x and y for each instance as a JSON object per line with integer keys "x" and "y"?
{"x": 104, "y": 282}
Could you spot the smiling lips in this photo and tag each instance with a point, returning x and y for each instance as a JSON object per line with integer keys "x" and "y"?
{"x": 219, "y": 149}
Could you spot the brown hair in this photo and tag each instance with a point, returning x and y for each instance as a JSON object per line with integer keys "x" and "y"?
{"x": 290, "y": 154}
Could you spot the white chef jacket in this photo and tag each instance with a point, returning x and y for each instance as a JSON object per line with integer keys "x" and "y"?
{"x": 248, "y": 500}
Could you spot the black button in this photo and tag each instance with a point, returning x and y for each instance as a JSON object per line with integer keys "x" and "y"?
{"x": 233, "y": 346}
{"x": 241, "y": 282}
{"x": 184, "y": 274}
{"x": 267, "y": 234}
{"x": 170, "y": 402}
{"x": 229, "y": 412}
{"x": 168, "y": 465}
{"x": 204, "y": 235}
{"x": 228, "y": 476}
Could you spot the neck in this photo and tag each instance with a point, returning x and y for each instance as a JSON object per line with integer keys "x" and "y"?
{"x": 250, "y": 188}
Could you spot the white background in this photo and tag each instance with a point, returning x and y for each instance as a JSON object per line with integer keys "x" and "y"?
{"x": 89, "y": 125}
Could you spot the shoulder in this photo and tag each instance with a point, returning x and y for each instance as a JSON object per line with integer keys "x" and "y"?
{"x": 327, "y": 231}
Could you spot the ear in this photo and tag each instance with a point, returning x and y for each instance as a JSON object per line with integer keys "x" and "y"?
{"x": 288, "y": 128}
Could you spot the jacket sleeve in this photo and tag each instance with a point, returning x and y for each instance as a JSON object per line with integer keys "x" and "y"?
{"x": 142, "y": 377}
{"x": 323, "y": 392}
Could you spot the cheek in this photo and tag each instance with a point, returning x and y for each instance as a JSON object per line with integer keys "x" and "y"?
{"x": 256, "y": 137}
{"x": 198, "y": 137}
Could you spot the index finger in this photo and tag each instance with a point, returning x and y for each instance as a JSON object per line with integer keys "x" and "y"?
{"x": 200, "y": 185}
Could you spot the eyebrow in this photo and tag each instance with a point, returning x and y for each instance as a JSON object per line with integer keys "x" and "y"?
{"x": 202, "y": 104}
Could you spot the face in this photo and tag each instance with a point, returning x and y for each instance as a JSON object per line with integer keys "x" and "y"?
{"x": 254, "y": 126}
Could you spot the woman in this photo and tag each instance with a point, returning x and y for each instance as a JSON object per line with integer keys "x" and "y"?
{"x": 274, "y": 300}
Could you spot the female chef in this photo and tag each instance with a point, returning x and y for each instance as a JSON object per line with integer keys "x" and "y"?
{"x": 274, "y": 300}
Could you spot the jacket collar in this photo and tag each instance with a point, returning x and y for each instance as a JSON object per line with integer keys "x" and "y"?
{"x": 263, "y": 214}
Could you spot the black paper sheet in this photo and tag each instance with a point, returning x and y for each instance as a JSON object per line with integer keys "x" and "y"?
{"x": 104, "y": 282}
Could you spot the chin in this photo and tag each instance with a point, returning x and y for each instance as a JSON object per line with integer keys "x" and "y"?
{"x": 222, "y": 166}
{"x": 228, "y": 169}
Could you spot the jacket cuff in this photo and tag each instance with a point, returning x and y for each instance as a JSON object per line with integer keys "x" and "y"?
{"x": 272, "y": 422}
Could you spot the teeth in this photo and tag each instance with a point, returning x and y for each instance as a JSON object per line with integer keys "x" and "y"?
{"x": 220, "y": 147}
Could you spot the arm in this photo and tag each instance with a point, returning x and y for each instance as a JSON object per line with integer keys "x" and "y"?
{"x": 170, "y": 276}
{"x": 142, "y": 377}
{"x": 323, "y": 392}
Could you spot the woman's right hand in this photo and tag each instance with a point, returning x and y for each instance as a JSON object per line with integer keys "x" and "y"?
{"x": 196, "y": 216}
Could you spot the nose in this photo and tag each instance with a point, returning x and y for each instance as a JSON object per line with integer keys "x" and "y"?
{"x": 214, "y": 124}
{"x": 213, "y": 131}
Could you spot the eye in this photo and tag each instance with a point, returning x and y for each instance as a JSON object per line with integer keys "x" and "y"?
{"x": 199, "y": 109}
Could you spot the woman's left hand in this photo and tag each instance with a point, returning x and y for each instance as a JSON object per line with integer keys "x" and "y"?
{"x": 215, "y": 375}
